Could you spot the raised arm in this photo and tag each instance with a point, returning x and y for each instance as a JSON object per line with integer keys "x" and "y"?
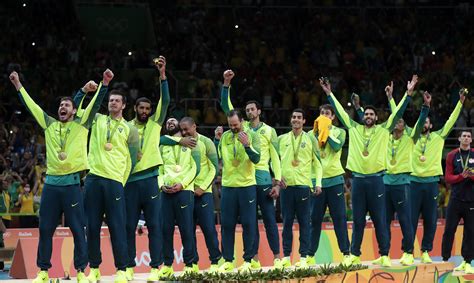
{"x": 40, "y": 116}
{"x": 425, "y": 109}
{"x": 448, "y": 126}
{"x": 164, "y": 102}
{"x": 401, "y": 107}
{"x": 78, "y": 98}
{"x": 336, "y": 142}
{"x": 226, "y": 104}
{"x": 340, "y": 112}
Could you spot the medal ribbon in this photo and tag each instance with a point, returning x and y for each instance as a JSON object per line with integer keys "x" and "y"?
{"x": 423, "y": 145}
{"x": 297, "y": 150}
{"x": 62, "y": 142}
{"x": 110, "y": 135}
{"x": 464, "y": 164}
{"x": 367, "y": 142}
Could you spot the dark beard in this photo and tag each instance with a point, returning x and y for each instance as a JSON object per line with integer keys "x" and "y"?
{"x": 139, "y": 118}
{"x": 172, "y": 132}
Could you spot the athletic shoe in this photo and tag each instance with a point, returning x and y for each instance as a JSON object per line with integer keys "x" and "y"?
{"x": 277, "y": 264}
{"x": 227, "y": 266}
{"x": 154, "y": 275}
{"x": 469, "y": 269}
{"x": 386, "y": 262}
{"x": 196, "y": 267}
{"x": 120, "y": 277}
{"x": 129, "y": 272}
{"x": 302, "y": 263}
{"x": 94, "y": 275}
{"x": 311, "y": 260}
{"x": 425, "y": 258}
{"x": 42, "y": 277}
{"x": 402, "y": 259}
{"x": 245, "y": 267}
{"x": 165, "y": 272}
{"x": 286, "y": 262}
{"x": 408, "y": 260}
{"x": 255, "y": 264}
{"x": 214, "y": 268}
{"x": 461, "y": 267}
{"x": 347, "y": 260}
{"x": 355, "y": 259}
{"x": 377, "y": 261}
{"x": 81, "y": 277}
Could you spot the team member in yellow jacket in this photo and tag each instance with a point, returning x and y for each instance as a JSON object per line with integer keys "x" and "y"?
{"x": 268, "y": 157}
{"x": 66, "y": 151}
{"x": 367, "y": 161}
{"x": 299, "y": 154}
{"x": 180, "y": 167}
{"x": 239, "y": 149}
{"x": 113, "y": 152}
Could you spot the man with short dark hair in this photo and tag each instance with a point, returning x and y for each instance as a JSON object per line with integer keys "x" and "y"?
{"x": 113, "y": 152}
{"x": 367, "y": 161}
{"x": 203, "y": 198}
{"x": 66, "y": 150}
{"x": 239, "y": 149}
{"x": 459, "y": 173}
{"x": 299, "y": 154}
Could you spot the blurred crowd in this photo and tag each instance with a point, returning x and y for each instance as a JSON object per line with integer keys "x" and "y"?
{"x": 277, "y": 52}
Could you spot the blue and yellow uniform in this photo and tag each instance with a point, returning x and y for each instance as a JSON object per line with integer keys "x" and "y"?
{"x": 66, "y": 155}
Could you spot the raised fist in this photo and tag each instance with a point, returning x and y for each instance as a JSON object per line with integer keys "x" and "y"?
{"x": 14, "y": 78}
{"x": 427, "y": 98}
{"x": 160, "y": 64}
{"x": 228, "y": 75}
{"x": 107, "y": 77}
{"x": 218, "y": 132}
{"x": 90, "y": 86}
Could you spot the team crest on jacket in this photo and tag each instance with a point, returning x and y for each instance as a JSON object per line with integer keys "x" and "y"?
{"x": 120, "y": 129}
{"x": 262, "y": 132}
{"x": 184, "y": 149}
{"x": 303, "y": 144}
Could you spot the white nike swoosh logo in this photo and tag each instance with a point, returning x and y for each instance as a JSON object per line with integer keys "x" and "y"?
{"x": 435, "y": 197}
{"x": 400, "y": 202}
{"x": 204, "y": 205}
{"x": 250, "y": 201}
{"x": 380, "y": 195}
{"x": 458, "y": 160}
{"x": 118, "y": 198}
{"x": 339, "y": 194}
{"x": 266, "y": 189}
{"x": 184, "y": 206}
{"x": 303, "y": 199}
{"x": 154, "y": 197}
{"x": 73, "y": 205}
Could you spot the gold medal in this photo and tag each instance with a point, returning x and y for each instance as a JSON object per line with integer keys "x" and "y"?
{"x": 365, "y": 153}
{"x": 393, "y": 161}
{"x": 295, "y": 162}
{"x": 323, "y": 154}
{"x": 235, "y": 162}
{"x": 177, "y": 168}
{"x": 422, "y": 158}
{"x": 108, "y": 146}
{"x": 62, "y": 155}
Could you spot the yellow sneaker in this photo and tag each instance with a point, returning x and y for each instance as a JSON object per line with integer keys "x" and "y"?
{"x": 255, "y": 264}
{"x": 120, "y": 277}
{"x": 386, "y": 262}
{"x": 408, "y": 260}
{"x": 303, "y": 263}
{"x": 165, "y": 272}
{"x": 81, "y": 277}
{"x": 347, "y": 260}
{"x": 277, "y": 264}
{"x": 425, "y": 258}
{"x": 311, "y": 260}
{"x": 214, "y": 268}
{"x": 42, "y": 277}
{"x": 469, "y": 269}
{"x": 402, "y": 259}
{"x": 245, "y": 267}
{"x": 196, "y": 267}
{"x": 154, "y": 275}
{"x": 355, "y": 259}
{"x": 94, "y": 275}
{"x": 129, "y": 272}
{"x": 377, "y": 261}
{"x": 461, "y": 267}
{"x": 286, "y": 262}
{"x": 227, "y": 266}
